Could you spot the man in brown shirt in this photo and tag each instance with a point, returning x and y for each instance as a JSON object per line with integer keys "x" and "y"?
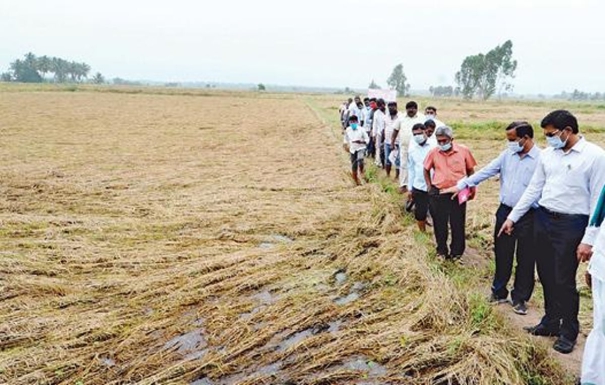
{"x": 444, "y": 166}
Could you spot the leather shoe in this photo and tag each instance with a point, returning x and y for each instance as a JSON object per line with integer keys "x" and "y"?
{"x": 564, "y": 345}
{"x": 541, "y": 330}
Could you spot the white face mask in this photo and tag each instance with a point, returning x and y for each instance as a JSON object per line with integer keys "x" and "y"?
{"x": 515, "y": 147}
{"x": 430, "y": 116}
{"x": 445, "y": 147}
{"x": 420, "y": 138}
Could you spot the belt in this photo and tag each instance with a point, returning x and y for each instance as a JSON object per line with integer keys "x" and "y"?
{"x": 556, "y": 215}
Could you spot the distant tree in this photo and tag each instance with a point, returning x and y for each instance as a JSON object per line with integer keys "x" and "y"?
{"x": 24, "y": 72}
{"x": 261, "y": 87}
{"x": 6, "y": 77}
{"x": 398, "y": 80}
{"x": 348, "y": 90}
{"x": 373, "y": 85}
{"x": 98, "y": 78}
{"x": 446, "y": 91}
{"x": 483, "y": 75}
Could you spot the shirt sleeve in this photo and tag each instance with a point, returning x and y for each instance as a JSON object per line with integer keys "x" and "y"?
{"x": 366, "y": 138}
{"x": 493, "y": 168}
{"x": 428, "y": 162}
{"x": 411, "y": 170}
{"x": 532, "y": 193}
{"x": 470, "y": 160}
{"x": 345, "y": 138}
{"x": 597, "y": 181}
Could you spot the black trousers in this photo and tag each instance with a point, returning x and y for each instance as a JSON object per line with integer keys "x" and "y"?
{"x": 557, "y": 238}
{"x": 522, "y": 243}
{"x": 421, "y": 204}
{"x": 444, "y": 212}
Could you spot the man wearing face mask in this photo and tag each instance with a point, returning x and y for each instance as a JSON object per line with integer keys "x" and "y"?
{"x": 444, "y": 166}
{"x": 569, "y": 177}
{"x": 516, "y": 166}
{"x": 430, "y": 112}
{"x": 355, "y": 141}
{"x": 418, "y": 189}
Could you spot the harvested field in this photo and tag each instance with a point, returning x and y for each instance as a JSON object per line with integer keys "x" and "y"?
{"x": 216, "y": 239}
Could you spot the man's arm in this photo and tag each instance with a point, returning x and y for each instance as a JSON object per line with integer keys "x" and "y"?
{"x": 427, "y": 179}
{"x": 474, "y": 179}
{"x": 394, "y": 137}
{"x": 411, "y": 170}
{"x": 596, "y": 183}
{"x": 531, "y": 194}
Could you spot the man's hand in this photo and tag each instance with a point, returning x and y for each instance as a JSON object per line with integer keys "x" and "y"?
{"x": 507, "y": 227}
{"x": 588, "y": 279}
{"x": 451, "y": 190}
{"x": 403, "y": 189}
{"x": 472, "y": 194}
{"x": 410, "y": 197}
{"x": 584, "y": 252}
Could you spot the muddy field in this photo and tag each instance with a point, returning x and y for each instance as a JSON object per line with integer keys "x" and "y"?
{"x": 216, "y": 239}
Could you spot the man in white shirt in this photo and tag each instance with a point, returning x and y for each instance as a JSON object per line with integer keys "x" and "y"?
{"x": 392, "y": 120}
{"x": 593, "y": 362}
{"x": 430, "y": 112}
{"x": 378, "y": 126}
{"x": 355, "y": 141}
{"x": 403, "y": 133}
{"x": 355, "y": 109}
{"x": 568, "y": 179}
{"x": 418, "y": 189}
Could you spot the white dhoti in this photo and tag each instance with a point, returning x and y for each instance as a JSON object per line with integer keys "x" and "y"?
{"x": 593, "y": 362}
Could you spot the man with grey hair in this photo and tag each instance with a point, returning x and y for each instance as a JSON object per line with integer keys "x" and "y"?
{"x": 444, "y": 166}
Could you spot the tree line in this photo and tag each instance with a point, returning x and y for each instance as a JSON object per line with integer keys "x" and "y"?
{"x": 481, "y": 75}
{"x": 36, "y": 69}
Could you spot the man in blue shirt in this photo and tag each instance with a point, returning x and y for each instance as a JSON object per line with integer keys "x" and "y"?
{"x": 516, "y": 166}
{"x": 567, "y": 182}
{"x": 418, "y": 192}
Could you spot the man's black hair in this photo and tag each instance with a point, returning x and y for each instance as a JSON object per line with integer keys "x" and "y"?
{"x": 353, "y": 118}
{"x": 392, "y": 104}
{"x": 372, "y": 99}
{"x": 380, "y": 102}
{"x": 430, "y": 123}
{"x": 411, "y": 104}
{"x": 366, "y": 99}
{"x": 431, "y": 108}
{"x": 560, "y": 119}
{"x": 522, "y": 129}
{"x": 418, "y": 126}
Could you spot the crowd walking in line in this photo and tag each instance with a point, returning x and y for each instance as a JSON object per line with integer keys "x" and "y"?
{"x": 551, "y": 207}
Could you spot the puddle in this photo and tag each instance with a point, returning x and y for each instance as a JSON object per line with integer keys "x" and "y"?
{"x": 281, "y": 238}
{"x": 108, "y": 362}
{"x": 269, "y": 370}
{"x": 294, "y": 339}
{"x": 340, "y": 277}
{"x": 202, "y": 381}
{"x": 191, "y": 345}
{"x": 264, "y": 297}
{"x": 348, "y": 299}
{"x": 373, "y": 369}
{"x": 330, "y": 327}
{"x": 358, "y": 286}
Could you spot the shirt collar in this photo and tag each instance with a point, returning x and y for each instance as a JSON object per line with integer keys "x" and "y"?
{"x": 534, "y": 152}
{"x": 580, "y": 145}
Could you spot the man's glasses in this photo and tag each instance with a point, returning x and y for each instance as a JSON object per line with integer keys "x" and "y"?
{"x": 551, "y": 134}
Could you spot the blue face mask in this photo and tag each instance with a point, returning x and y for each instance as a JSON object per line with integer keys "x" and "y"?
{"x": 419, "y": 138}
{"x": 556, "y": 142}
{"x": 354, "y": 126}
{"x": 445, "y": 147}
{"x": 515, "y": 147}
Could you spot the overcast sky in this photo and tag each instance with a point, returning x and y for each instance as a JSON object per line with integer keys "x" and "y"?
{"x": 559, "y": 44}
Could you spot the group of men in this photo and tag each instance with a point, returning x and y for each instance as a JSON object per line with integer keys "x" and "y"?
{"x": 552, "y": 205}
